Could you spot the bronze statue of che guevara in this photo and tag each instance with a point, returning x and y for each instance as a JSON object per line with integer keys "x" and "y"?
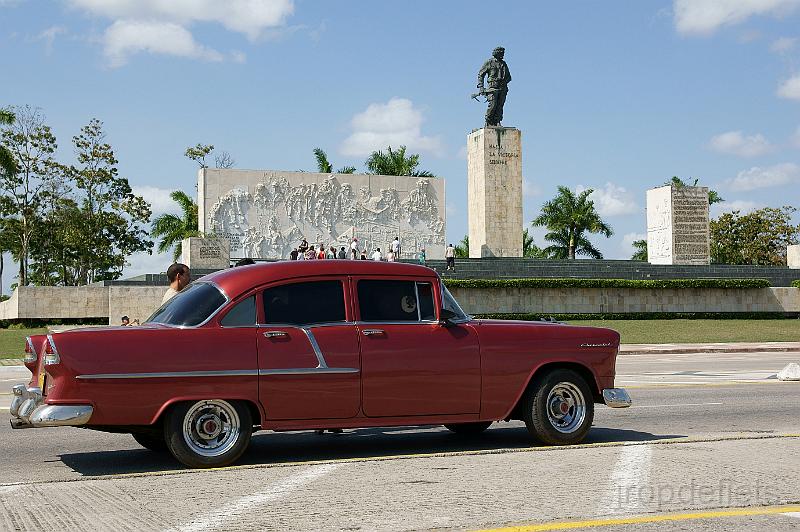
{"x": 497, "y": 75}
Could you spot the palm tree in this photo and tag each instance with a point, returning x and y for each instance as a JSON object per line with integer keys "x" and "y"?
{"x": 172, "y": 229}
{"x": 677, "y": 182}
{"x": 529, "y": 249}
{"x": 568, "y": 217}
{"x": 395, "y": 162}
{"x": 7, "y": 164}
{"x": 641, "y": 250}
{"x": 462, "y": 248}
{"x": 325, "y": 167}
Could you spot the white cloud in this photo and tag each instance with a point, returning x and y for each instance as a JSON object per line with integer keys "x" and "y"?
{"x": 736, "y": 143}
{"x": 612, "y": 200}
{"x": 238, "y": 56}
{"x": 249, "y": 17}
{"x": 790, "y": 88}
{"x": 462, "y": 153}
{"x": 703, "y": 17}
{"x": 125, "y": 38}
{"x": 783, "y": 44}
{"x": 743, "y": 206}
{"x": 530, "y": 190}
{"x": 49, "y": 36}
{"x": 394, "y": 123}
{"x": 771, "y": 176}
{"x": 159, "y": 200}
{"x": 141, "y": 263}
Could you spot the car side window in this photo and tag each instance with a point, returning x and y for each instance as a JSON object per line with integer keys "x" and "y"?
{"x": 242, "y": 315}
{"x": 305, "y": 303}
{"x": 382, "y": 301}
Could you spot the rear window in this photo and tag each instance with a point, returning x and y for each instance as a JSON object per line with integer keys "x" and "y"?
{"x": 191, "y": 306}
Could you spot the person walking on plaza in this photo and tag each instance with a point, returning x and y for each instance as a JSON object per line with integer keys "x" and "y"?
{"x": 450, "y": 257}
{"x": 390, "y": 256}
{"x": 331, "y": 252}
{"x": 321, "y": 254}
{"x": 293, "y": 254}
{"x": 354, "y": 248}
{"x": 376, "y": 255}
{"x": 311, "y": 254}
{"x": 422, "y": 256}
{"x": 303, "y": 247}
{"x": 395, "y": 247}
{"x": 178, "y": 276}
{"x": 364, "y": 254}
{"x": 342, "y": 253}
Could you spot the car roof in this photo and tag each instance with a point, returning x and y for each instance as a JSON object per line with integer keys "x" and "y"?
{"x": 234, "y": 281}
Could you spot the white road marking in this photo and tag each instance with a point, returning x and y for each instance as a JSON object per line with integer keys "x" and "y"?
{"x": 220, "y": 518}
{"x": 8, "y": 489}
{"x": 677, "y": 404}
{"x": 631, "y": 472}
{"x": 792, "y": 514}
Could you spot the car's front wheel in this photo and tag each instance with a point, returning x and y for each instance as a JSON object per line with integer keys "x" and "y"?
{"x": 208, "y": 433}
{"x": 558, "y": 409}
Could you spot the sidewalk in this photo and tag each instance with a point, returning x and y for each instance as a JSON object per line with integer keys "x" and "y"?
{"x": 739, "y": 347}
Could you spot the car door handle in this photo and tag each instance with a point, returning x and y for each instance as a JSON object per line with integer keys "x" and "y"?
{"x": 275, "y": 334}
{"x": 372, "y": 332}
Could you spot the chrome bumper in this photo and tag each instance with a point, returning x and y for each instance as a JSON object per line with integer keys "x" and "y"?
{"x": 29, "y": 411}
{"x": 617, "y": 398}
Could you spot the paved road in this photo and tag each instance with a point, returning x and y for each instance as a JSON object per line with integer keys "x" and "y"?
{"x": 708, "y": 434}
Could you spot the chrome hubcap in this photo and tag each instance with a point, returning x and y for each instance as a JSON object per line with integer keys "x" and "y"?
{"x": 211, "y": 428}
{"x": 566, "y": 407}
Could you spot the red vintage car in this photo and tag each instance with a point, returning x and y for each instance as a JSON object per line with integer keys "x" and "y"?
{"x": 315, "y": 345}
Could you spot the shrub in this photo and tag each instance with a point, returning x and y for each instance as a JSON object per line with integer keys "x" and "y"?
{"x": 606, "y": 283}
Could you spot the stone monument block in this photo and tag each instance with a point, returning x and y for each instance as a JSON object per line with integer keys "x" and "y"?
{"x": 678, "y": 225}
{"x": 494, "y": 192}
{"x": 266, "y": 213}
{"x": 793, "y": 256}
{"x": 206, "y": 253}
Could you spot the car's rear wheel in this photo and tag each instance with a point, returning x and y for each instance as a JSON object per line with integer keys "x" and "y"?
{"x": 153, "y": 441}
{"x": 558, "y": 409}
{"x": 468, "y": 429}
{"x": 208, "y": 433}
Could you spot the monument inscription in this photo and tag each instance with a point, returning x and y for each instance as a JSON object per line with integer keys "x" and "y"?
{"x": 678, "y": 225}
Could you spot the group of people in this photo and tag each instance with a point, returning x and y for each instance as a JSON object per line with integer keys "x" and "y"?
{"x": 308, "y": 252}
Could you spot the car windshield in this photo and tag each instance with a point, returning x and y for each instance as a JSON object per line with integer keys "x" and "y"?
{"x": 191, "y": 306}
{"x": 450, "y": 303}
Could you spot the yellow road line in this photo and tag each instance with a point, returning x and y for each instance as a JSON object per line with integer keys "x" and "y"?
{"x": 571, "y": 525}
{"x": 445, "y": 454}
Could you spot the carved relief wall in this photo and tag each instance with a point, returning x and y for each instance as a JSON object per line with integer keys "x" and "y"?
{"x": 265, "y": 214}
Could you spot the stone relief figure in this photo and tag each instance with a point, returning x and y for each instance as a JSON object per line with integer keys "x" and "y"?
{"x": 497, "y": 75}
{"x": 270, "y": 222}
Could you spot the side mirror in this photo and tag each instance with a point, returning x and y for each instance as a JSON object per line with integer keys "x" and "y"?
{"x": 446, "y": 316}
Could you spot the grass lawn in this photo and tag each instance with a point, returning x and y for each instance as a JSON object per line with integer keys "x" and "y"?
{"x": 12, "y": 341}
{"x": 700, "y": 331}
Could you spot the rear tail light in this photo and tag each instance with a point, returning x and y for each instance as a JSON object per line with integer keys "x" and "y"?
{"x": 30, "y": 352}
{"x": 50, "y": 352}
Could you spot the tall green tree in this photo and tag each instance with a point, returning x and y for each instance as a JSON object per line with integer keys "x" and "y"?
{"x": 677, "y": 182}
{"x": 640, "y": 250}
{"x": 462, "y": 248}
{"x": 529, "y": 248}
{"x": 395, "y": 162}
{"x": 7, "y": 163}
{"x": 32, "y": 145}
{"x": 759, "y": 237}
{"x": 568, "y": 217}
{"x": 325, "y": 167}
{"x": 171, "y": 229}
{"x": 198, "y": 153}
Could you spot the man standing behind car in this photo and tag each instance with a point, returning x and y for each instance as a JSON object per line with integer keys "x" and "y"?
{"x": 178, "y": 276}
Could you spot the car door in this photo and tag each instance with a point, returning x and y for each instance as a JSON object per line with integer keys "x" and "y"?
{"x": 410, "y": 364}
{"x": 308, "y": 355}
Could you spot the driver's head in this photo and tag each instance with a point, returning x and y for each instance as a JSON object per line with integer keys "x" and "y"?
{"x": 178, "y": 273}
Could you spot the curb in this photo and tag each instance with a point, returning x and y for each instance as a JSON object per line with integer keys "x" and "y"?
{"x": 11, "y": 362}
{"x": 678, "y": 349}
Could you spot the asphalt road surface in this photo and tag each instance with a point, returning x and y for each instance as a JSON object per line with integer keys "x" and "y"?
{"x": 712, "y": 443}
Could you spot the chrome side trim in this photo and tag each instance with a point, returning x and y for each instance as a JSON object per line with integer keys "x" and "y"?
{"x": 605, "y": 344}
{"x": 307, "y": 325}
{"x": 412, "y": 322}
{"x": 306, "y": 371}
{"x": 617, "y": 398}
{"x": 172, "y": 374}
{"x": 315, "y": 346}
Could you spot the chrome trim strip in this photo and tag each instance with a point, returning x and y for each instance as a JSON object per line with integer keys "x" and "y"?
{"x": 172, "y": 374}
{"x": 315, "y": 346}
{"x": 413, "y": 322}
{"x": 307, "y": 325}
{"x": 306, "y": 371}
{"x": 606, "y": 344}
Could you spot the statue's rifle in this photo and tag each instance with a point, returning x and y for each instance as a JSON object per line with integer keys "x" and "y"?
{"x": 483, "y": 92}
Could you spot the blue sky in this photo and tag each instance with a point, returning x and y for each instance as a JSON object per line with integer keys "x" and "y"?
{"x": 614, "y": 96}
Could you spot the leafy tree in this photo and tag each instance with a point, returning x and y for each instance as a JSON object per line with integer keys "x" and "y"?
{"x": 462, "y": 248}
{"x": 759, "y": 237}
{"x": 224, "y": 160}
{"x": 325, "y": 167}
{"x": 568, "y": 216}
{"x": 8, "y": 243}
{"x": 7, "y": 163}
{"x": 395, "y": 162}
{"x": 677, "y": 182}
{"x": 171, "y": 229}
{"x": 529, "y": 249}
{"x": 31, "y": 144}
{"x": 640, "y": 247}
{"x": 198, "y": 153}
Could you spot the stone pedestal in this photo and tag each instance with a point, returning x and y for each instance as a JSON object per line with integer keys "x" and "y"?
{"x": 793, "y": 257}
{"x": 494, "y": 192}
{"x": 678, "y": 225}
{"x": 206, "y": 253}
